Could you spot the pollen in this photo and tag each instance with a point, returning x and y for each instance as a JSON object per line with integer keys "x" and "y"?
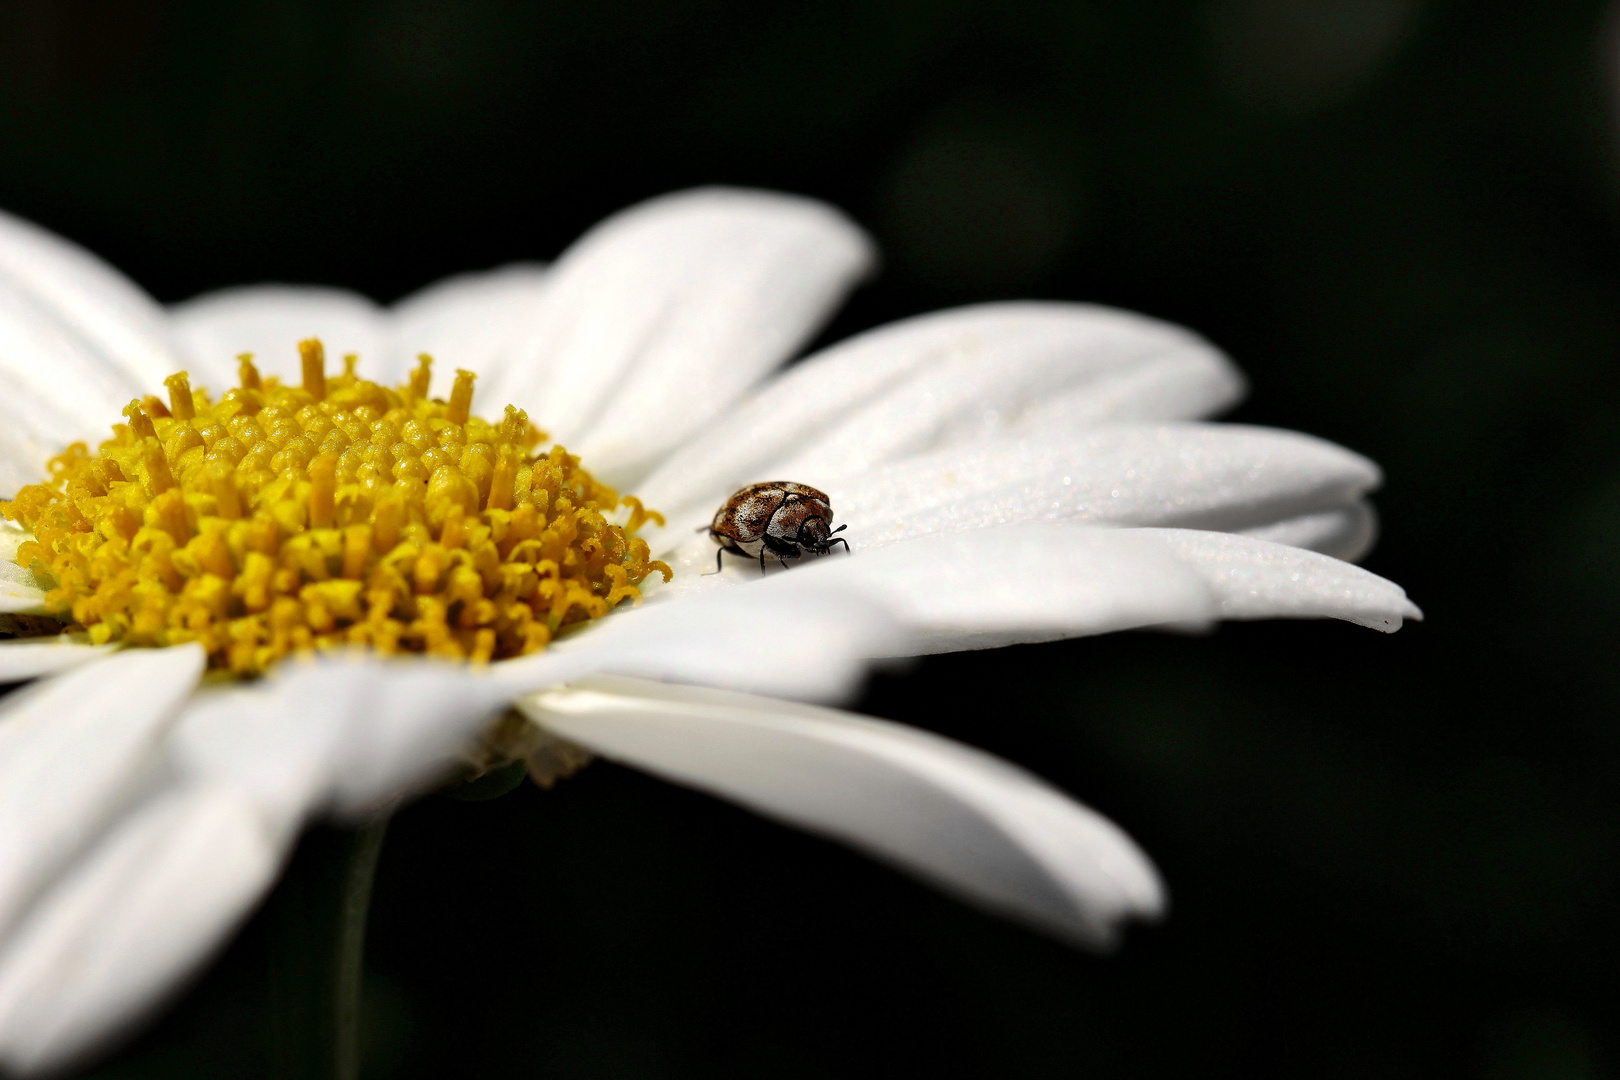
{"x": 289, "y": 518}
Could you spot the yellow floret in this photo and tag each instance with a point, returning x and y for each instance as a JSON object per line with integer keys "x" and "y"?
{"x": 282, "y": 519}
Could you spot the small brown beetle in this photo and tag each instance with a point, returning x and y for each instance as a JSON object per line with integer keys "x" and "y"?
{"x": 778, "y": 520}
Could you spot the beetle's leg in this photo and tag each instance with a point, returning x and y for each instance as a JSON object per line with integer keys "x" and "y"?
{"x": 838, "y": 540}
{"x": 710, "y": 573}
{"x": 762, "y": 560}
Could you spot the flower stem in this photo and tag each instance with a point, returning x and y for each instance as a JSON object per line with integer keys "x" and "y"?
{"x": 349, "y": 956}
{"x": 317, "y": 949}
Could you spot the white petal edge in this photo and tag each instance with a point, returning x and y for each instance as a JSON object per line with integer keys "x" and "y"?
{"x": 467, "y": 321}
{"x": 30, "y": 658}
{"x": 944, "y": 378}
{"x": 1347, "y": 532}
{"x": 969, "y": 823}
{"x": 665, "y": 313}
{"x": 145, "y": 909}
{"x": 94, "y": 301}
{"x": 1258, "y": 579}
{"x": 71, "y": 750}
{"x": 269, "y": 321}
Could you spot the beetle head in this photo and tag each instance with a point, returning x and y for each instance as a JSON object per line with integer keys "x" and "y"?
{"x": 814, "y": 535}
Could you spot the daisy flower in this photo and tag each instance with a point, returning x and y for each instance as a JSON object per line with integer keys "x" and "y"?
{"x": 289, "y": 535}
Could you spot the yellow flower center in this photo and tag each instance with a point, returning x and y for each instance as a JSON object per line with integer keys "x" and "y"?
{"x": 281, "y": 519}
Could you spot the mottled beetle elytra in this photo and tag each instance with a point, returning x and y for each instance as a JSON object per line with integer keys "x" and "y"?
{"x": 777, "y": 520}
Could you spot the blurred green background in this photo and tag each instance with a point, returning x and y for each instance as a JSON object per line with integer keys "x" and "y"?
{"x": 1388, "y": 857}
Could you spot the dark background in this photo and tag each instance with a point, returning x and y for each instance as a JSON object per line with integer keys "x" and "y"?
{"x": 1388, "y": 857}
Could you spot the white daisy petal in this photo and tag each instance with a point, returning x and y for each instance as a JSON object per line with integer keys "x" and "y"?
{"x": 31, "y": 433}
{"x": 34, "y": 425}
{"x": 141, "y": 912}
{"x": 146, "y": 905}
{"x": 984, "y": 588}
{"x": 257, "y": 741}
{"x": 401, "y": 721}
{"x": 1211, "y": 476}
{"x": 21, "y": 592}
{"x": 29, "y": 658}
{"x": 97, "y": 304}
{"x": 1257, "y": 579}
{"x": 345, "y": 733}
{"x": 968, "y": 822}
{"x": 664, "y": 314}
{"x": 1345, "y": 532}
{"x": 269, "y": 321}
{"x": 19, "y": 598}
{"x": 70, "y": 750}
{"x": 944, "y": 378}
{"x": 467, "y": 321}
{"x": 348, "y": 733}
{"x": 81, "y": 389}
{"x": 813, "y": 645}
{"x": 816, "y": 649}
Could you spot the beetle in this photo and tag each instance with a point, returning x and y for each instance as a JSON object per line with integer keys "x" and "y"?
{"x": 777, "y": 519}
